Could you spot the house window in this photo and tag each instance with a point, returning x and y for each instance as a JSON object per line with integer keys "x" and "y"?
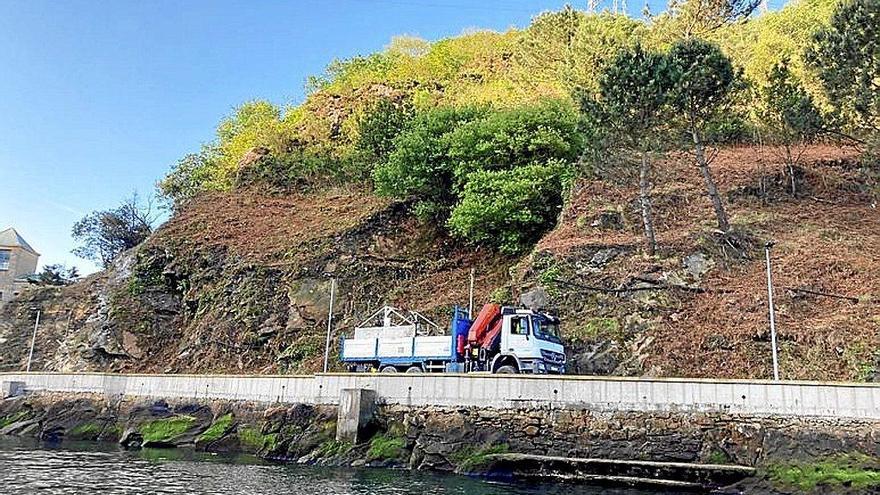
{"x": 4, "y": 259}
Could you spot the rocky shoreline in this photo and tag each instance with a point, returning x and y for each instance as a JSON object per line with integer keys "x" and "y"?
{"x": 488, "y": 442}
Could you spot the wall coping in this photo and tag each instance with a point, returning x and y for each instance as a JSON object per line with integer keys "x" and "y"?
{"x": 732, "y": 381}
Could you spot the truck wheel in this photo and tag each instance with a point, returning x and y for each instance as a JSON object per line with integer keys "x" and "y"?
{"x": 414, "y": 369}
{"x": 507, "y": 370}
{"x": 389, "y": 369}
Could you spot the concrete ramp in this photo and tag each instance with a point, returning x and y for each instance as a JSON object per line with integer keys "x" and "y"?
{"x": 649, "y": 474}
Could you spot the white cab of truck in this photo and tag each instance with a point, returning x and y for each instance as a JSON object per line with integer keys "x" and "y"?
{"x": 533, "y": 339}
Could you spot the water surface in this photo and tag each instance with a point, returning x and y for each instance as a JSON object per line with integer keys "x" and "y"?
{"x": 28, "y": 467}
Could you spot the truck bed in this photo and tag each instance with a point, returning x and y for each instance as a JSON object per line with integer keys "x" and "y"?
{"x": 397, "y": 349}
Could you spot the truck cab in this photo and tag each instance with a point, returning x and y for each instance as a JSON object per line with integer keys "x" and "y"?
{"x": 530, "y": 342}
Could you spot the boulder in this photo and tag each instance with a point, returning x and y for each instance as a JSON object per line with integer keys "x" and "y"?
{"x": 603, "y": 257}
{"x": 535, "y": 299}
{"x": 597, "y": 359}
{"x": 697, "y": 264}
{"x": 608, "y": 220}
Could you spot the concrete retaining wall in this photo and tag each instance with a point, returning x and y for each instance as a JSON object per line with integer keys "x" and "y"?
{"x": 761, "y": 398}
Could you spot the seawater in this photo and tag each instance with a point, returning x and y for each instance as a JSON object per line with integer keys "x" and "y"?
{"x": 31, "y": 467}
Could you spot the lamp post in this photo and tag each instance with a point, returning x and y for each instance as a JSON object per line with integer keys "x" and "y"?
{"x": 33, "y": 338}
{"x": 767, "y": 246}
{"x": 471, "y": 297}
{"x": 329, "y": 325}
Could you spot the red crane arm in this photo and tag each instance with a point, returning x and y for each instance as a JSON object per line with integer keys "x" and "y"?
{"x": 484, "y": 324}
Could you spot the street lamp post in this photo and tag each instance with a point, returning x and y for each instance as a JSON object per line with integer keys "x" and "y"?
{"x": 329, "y": 325}
{"x": 33, "y": 339}
{"x": 767, "y": 247}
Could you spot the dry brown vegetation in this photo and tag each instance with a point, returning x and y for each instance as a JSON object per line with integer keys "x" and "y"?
{"x": 827, "y": 240}
{"x": 238, "y": 281}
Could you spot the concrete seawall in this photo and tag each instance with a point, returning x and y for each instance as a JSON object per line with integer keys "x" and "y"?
{"x": 754, "y": 398}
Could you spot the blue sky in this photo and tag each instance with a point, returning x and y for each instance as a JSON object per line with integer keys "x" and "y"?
{"x": 99, "y": 98}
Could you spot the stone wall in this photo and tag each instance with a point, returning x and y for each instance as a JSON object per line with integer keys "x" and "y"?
{"x": 435, "y": 434}
{"x": 438, "y": 433}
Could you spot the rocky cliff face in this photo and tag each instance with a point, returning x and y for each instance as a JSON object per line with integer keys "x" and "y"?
{"x": 239, "y": 282}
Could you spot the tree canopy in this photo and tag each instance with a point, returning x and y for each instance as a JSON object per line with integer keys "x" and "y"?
{"x": 104, "y": 235}
{"x": 846, "y": 57}
{"x": 439, "y": 122}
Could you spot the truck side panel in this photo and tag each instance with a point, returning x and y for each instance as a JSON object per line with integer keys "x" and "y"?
{"x": 395, "y": 347}
{"x": 359, "y": 349}
{"x": 400, "y": 331}
{"x": 398, "y": 351}
{"x": 433, "y": 346}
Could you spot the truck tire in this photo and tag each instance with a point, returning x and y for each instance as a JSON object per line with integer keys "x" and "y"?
{"x": 389, "y": 369}
{"x": 414, "y": 369}
{"x": 507, "y": 370}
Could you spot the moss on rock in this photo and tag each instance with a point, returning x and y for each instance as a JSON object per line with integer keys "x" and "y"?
{"x": 217, "y": 429}
{"x": 88, "y": 430}
{"x": 855, "y": 471}
{"x": 385, "y": 447}
{"x": 166, "y": 430}
{"x": 251, "y": 436}
{"x": 13, "y": 418}
{"x": 470, "y": 458}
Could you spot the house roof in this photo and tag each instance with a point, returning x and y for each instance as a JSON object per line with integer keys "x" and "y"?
{"x": 10, "y": 238}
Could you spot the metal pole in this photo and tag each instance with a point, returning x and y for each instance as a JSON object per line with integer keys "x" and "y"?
{"x": 471, "y": 297}
{"x": 767, "y": 247}
{"x": 33, "y": 341}
{"x": 329, "y": 325}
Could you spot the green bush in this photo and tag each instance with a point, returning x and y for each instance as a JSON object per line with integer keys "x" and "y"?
{"x": 296, "y": 169}
{"x": 846, "y": 58}
{"x": 510, "y": 138}
{"x": 501, "y": 169}
{"x": 193, "y": 174}
{"x": 420, "y": 166}
{"x": 509, "y": 209}
{"x": 380, "y": 125}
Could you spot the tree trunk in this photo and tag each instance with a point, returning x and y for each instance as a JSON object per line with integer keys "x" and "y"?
{"x": 720, "y": 214}
{"x": 790, "y": 163}
{"x": 645, "y": 199}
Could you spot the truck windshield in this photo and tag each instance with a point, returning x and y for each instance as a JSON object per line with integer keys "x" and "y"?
{"x": 546, "y": 329}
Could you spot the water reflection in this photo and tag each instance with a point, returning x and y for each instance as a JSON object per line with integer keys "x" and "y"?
{"x": 27, "y": 467}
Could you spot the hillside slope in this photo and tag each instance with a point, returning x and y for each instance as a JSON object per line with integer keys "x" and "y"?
{"x": 239, "y": 281}
{"x": 699, "y": 308}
